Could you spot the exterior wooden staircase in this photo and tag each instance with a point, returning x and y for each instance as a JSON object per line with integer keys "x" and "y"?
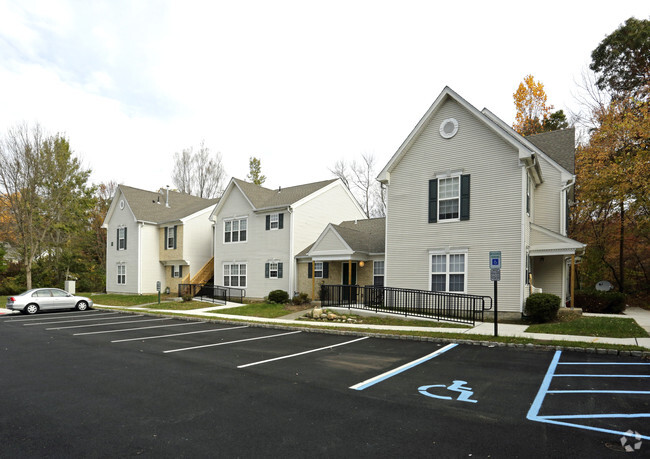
{"x": 205, "y": 273}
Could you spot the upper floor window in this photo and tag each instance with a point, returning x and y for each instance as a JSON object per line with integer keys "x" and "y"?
{"x": 170, "y": 237}
{"x": 274, "y": 221}
{"x": 121, "y": 238}
{"x": 235, "y": 230}
{"x": 449, "y": 198}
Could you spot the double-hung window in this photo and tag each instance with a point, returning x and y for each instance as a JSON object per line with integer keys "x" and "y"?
{"x": 448, "y": 198}
{"x": 378, "y": 273}
{"x": 274, "y": 221}
{"x": 177, "y": 271}
{"x": 318, "y": 270}
{"x": 235, "y": 230}
{"x": 273, "y": 270}
{"x": 121, "y": 238}
{"x": 234, "y": 275}
{"x": 121, "y": 274}
{"x": 170, "y": 237}
{"x": 448, "y": 272}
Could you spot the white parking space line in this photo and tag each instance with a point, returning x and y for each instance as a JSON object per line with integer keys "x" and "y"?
{"x": 111, "y": 323}
{"x": 177, "y": 334}
{"x": 133, "y": 329}
{"x": 58, "y": 316}
{"x": 231, "y": 342}
{"x": 369, "y": 382}
{"x": 302, "y": 353}
{"x": 74, "y": 320}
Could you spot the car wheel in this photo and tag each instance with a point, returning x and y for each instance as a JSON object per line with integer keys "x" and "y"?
{"x": 31, "y": 309}
{"x": 82, "y": 306}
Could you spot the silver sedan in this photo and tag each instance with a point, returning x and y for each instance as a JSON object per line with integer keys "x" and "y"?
{"x": 45, "y": 299}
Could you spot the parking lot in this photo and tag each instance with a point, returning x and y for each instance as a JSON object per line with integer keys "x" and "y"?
{"x": 102, "y": 384}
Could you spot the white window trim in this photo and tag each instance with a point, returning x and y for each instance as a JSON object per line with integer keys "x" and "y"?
{"x": 237, "y": 219}
{"x": 121, "y": 236}
{"x": 176, "y": 272}
{"x": 439, "y": 200}
{"x": 316, "y": 270}
{"x": 239, "y": 275}
{"x": 274, "y": 219}
{"x": 170, "y": 235}
{"x": 448, "y": 252}
{"x": 123, "y": 266}
{"x": 271, "y": 269}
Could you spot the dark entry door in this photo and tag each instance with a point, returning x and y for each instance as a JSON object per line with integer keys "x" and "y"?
{"x": 349, "y": 294}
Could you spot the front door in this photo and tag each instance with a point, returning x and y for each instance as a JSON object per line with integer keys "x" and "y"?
{"x": 349, "y": 294}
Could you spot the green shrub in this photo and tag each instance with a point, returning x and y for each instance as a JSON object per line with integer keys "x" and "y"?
{"x": 603, "y": 302}
{"x": 278, "y": 296}
{"x": 301, "y": 298}
{"x": 187, "y": 297}
{"x": 542, "y": 307}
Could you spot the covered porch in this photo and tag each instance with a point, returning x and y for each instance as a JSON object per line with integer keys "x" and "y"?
{"x": 552, "y": 259}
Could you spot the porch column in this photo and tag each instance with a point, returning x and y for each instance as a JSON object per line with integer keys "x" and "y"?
{"x": 573, "y": 275}
{"x": 313, "y": 280}
{"x": 350, "y": 272}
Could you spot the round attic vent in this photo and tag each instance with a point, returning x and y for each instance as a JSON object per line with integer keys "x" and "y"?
{"x": 449, "y": 128}
{"x": 121, "y": 204}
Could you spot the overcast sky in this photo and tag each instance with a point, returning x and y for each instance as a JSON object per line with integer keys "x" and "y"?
{"x": 298, "y": 84}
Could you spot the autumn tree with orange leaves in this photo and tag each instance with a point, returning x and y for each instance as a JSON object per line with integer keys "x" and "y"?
{"x": 533, "y": 114}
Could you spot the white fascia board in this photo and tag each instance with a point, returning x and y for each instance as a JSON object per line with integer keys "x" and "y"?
{"x": 347, "y": 249}
{"x": 415, "y": 133}
{"x": 198, "y": 213}
{"x": 224, "y": 197}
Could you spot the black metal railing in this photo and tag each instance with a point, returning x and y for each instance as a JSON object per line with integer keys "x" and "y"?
{"x": 217, "y": 293}
{"x": 453, "y": 307}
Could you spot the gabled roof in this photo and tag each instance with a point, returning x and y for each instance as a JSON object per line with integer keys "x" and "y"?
{"x": 524, "y": 145}
{"x": 150, "y": 206}
{"x": 262, "y": 198}
{"x": 546, "y": 242}
{"x": 559, "y": 145}
{"x": 361, "y": 236}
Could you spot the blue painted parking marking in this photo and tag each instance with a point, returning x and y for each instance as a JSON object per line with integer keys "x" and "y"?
{"x": 559, "y": 419}
{"x": 389, "y": 374}
{"x": 464, "y": 393}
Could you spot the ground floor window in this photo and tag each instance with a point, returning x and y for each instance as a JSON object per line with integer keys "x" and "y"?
{"x": 177, "y": 271}
{"x": 448, "y": 272}
{"x": 121, "y": 274}
{"x": 234, "y": 275}
{"x": 378, "y": 273}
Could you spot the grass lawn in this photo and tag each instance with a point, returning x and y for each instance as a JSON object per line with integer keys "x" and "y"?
{"x": 179, "y": 305}
{"x": 407, "y": 322}
{"x": 267, "y": 310}
{"x": 111, "y": 299}
{"x": 612, "y": 327}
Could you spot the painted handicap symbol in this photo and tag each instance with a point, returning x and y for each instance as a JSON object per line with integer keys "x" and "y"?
{"x": 464, "y": 393}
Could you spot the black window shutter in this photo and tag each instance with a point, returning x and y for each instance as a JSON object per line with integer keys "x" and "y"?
{"x": 166, "y": 234}
{"x": 280, "y": 221}
{"x": 279, "y": 270}
{"x": 124, "y": 238}
{"x": 268, "y": 222}
{"x": 326, "y": 270}
{"x": 309, "y": 273}
{"x": 180, "y": 270}
{"x": 464, "y": 197}
{"x": 118, "y": 239}
{"x": 175, "y": 233}
{"x": 266, "y": 270}
{"x": 433, "y": 201}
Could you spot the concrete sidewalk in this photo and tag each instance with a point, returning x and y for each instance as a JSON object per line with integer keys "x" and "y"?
{"x": 482, "y": 328}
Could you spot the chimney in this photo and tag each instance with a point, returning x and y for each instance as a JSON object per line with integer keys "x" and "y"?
{"x": 167, "y": 198}
{"x": 279, "y": 189}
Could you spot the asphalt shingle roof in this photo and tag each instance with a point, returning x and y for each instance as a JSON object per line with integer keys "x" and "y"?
{"x": 559, "y": 145}
{"x": 262, "y": 197}
{"x": 366, "y": 236}
{"x": 149, "y": 206}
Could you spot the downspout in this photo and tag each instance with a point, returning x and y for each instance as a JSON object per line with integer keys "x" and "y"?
{"x": 292, "y": 261}
{"x": 523, "y": 238}
{"x": 563, "y": 206}
{"x": 140, "y": 225}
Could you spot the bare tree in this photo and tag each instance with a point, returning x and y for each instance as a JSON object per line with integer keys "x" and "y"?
{"x": 359, "y": 177}
{"x": 199, "y": 174}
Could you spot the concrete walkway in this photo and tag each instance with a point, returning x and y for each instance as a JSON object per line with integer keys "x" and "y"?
{"x": 481, "y": 328}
